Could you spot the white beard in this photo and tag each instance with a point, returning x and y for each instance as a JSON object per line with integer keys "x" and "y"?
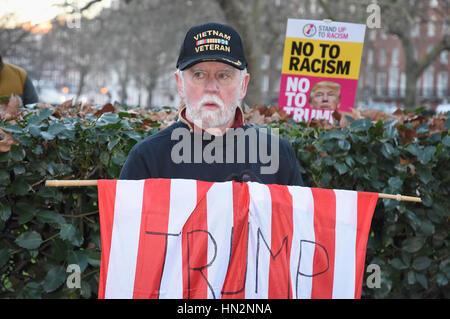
{"x": 205, "y": 118}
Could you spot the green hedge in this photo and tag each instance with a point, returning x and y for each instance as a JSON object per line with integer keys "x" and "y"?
{"x": 45, "y": 229}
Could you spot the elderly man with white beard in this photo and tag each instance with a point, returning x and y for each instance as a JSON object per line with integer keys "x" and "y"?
{"x": 210, "y": 140}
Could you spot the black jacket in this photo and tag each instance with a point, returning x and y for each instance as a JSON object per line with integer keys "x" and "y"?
{"x": 176, "y": 152}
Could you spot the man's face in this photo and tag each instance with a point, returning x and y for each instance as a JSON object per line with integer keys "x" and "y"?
{"x": 211, "y": 91}
{"x": 325, "y": 98}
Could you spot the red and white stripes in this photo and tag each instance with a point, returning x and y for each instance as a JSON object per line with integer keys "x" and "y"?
{"x": 177, "y": 238}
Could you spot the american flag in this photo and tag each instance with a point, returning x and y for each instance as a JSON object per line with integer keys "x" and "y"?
{"x": 180, "y": 238}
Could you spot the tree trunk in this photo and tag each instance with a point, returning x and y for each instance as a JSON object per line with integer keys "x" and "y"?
{"x": 123, "y": 80}
{"x": 83, "y": 74}
{"x": 254, "y": 91}
{"x": 123, "y": 91}
{"x": 150, "y": 88}
{"x": 412, "y": 99}
{"x": 248, "y": 27}
{"x": 412, "y": 72}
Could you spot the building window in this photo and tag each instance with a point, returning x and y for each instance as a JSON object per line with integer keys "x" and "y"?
{"x": 313, "y": 7}
{"x": 370, "y": 57}
{"x": 265, "y": 83}
{"x": 382, "y": 58}
{"x": 428, "y": 80}
{"x": 403, "y": 84}
{"x": 381, "y": 84}
{"x": 442, "y": 84}
{"x": 265, "y": 62}
{"x": 395, "y": 56}
{"x": 445, "y": 29}
{"x": 431, "y": 29}
{"x": 369, "y": 77}
{"x": 393, "y": 81}
{"x": 352, "y": 8}
{"x": 415, "y": 30}
{"x": 444, "y": 57}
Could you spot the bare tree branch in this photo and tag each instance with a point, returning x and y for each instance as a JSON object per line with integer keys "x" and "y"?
{"x": 327, "y": 10}
{"x": 444, "y": 44}
{"x": 89, "y": 4}
{"x": 74, "y": 8}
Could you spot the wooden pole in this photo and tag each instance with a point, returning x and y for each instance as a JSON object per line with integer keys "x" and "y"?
{"x": 71, "y": 183}
{"x": 77, "y": 183}
{"x": 400, "y": 197}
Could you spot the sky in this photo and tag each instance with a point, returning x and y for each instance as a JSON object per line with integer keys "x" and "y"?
{"x": 39, "y": 11}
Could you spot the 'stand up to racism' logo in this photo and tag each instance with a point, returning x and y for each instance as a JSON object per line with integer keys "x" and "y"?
{"x": 309, "y": 30}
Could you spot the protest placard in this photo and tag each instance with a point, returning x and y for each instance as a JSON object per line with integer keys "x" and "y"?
{"x": 320, "y": 71}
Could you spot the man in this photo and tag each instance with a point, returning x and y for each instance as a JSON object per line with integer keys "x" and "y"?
{"x": 210, "y": 141}
{"x": 14, "y": 80}
{"x": 325, "y": 95}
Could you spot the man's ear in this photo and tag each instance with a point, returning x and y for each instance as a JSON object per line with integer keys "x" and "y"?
{"x": 179, "y": 83}
{"x": 244, "y": 86}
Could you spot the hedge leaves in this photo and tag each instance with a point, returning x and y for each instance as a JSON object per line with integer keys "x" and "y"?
{"x": 44, "y": 230}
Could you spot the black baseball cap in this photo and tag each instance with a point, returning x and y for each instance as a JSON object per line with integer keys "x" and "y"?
{"x": 212, "y": 42}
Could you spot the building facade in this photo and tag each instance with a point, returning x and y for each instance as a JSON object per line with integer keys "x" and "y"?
{"x": 382, "y": 75}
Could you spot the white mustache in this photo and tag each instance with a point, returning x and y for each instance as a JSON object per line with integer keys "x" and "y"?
{"x": 212, "y": 98}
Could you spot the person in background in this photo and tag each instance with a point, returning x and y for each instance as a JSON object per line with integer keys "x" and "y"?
{"x": 325, "y": 95}
{"x": 15, "y": 80}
